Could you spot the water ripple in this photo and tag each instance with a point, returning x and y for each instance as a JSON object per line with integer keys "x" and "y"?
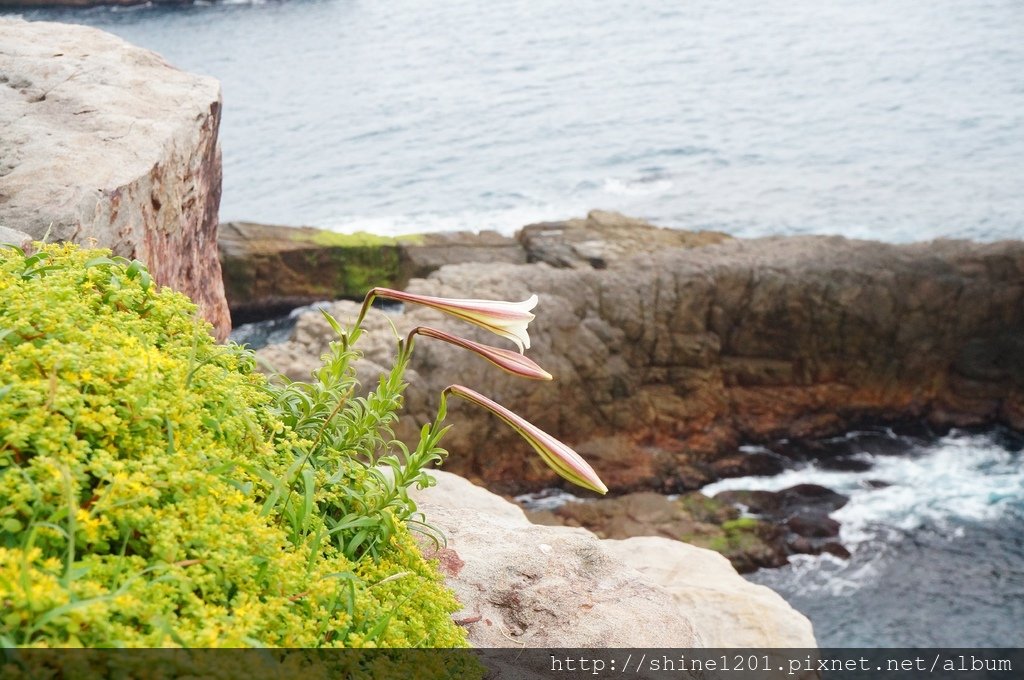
{"x": 901, "y": 121}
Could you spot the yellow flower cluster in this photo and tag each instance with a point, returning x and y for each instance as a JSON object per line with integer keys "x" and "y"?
{"x": 132, "y": 508}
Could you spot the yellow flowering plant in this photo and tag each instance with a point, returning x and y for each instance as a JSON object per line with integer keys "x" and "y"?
{"x": 137, "y": 459}
{"x": 155, "y": 490}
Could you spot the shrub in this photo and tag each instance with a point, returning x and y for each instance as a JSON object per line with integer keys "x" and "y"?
{"x": 156, "y": 491}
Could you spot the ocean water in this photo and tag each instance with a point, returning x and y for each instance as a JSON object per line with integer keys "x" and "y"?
{"x": 899, "y": 121}
{"x": 895, "y": 121}
{"x": 936, "y": 532}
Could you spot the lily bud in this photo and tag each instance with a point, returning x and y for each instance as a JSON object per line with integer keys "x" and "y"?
{"x": 507, "y": 360}
{"x": 559, "y": 457}
{"x": 507, "y": 319}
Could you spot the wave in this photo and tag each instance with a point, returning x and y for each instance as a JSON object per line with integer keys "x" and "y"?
{"x": 959, "y": 479}
{"x": 504, "y": 221}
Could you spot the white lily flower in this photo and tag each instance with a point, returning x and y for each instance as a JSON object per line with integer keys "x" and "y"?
{"x": 505, "y": 359}
{"x": 507, "y": 319}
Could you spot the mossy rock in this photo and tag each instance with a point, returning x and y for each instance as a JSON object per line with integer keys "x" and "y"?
{"x": 269, "y": 270}
{"x": 136, "y": 461}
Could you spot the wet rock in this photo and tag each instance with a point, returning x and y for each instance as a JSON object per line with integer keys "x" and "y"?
{"x": 836, "y": 549}
{"x": 844, "y": 464}
{"x": 800, "y": 514}
{"x": 757, "y": 464}
{"x": 875, "y": 484}
{"x": 813, "y": 526}
{"x": 787, "y": 502}
{"x": 105, "y": 143}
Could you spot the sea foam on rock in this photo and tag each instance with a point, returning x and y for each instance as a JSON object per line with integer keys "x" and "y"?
{"x": 105, "y": 143}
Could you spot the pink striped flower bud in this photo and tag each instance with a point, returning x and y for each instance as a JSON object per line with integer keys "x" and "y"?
{"x": 507, "y": 360}
{"x": 559, "y": 457}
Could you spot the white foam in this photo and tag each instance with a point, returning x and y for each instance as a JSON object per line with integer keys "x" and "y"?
{"x": 506, "y": 221}
{"x": 959, "y": 478}
{"x": 641, "y": 187}
{"x": 548, "y": 499}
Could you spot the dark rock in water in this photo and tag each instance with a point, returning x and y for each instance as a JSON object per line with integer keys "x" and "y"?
{"x": 837, "y": 451}
{"x": 1008, "y": 439}
{"x": 811, "y": 497}
{"x": 800, "y": 513}
{"x": 836, "y": 549}
{"x": 813, "y": 526}
{"x": 844, "y": 464}
{"x": 875, "y": 483}
{"x": 787, "y": 502}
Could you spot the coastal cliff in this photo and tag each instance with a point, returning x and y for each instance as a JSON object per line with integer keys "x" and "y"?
{"x": 110, "y": 146}
{"x": 669, "y": 357}
{"x": 107, "y": 144}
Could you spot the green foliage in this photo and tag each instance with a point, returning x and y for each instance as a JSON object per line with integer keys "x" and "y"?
{"x": 156, "y": 491}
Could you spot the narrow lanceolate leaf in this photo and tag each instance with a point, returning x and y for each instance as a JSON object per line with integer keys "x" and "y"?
{"x": 559, "y": 457}
{"x": 507, "y": 360}
{"x": 507, "y": 319}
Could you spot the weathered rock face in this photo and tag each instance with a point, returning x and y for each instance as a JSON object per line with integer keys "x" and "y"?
{"x": 665, "y": 361}
{"x": 269, "y": 270}
{"x": 106, "y": 143}
{"x": 535, "y": 586}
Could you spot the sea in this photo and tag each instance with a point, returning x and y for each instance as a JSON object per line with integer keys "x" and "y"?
{"x": 898, "y": 121}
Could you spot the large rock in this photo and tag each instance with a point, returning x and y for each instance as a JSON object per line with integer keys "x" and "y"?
{"x": 105, "y": 143}
{"x": 535, "y": 586}
{"x": 269, "y": 270}
{"x": 665, "y": 361}
{"x": 728, "y": 610}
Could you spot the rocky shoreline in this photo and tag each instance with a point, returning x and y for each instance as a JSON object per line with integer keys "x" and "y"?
{"x": 673, "y": 348}
{"x": 679, "y": 347}
{"x": 670, "y": 358}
